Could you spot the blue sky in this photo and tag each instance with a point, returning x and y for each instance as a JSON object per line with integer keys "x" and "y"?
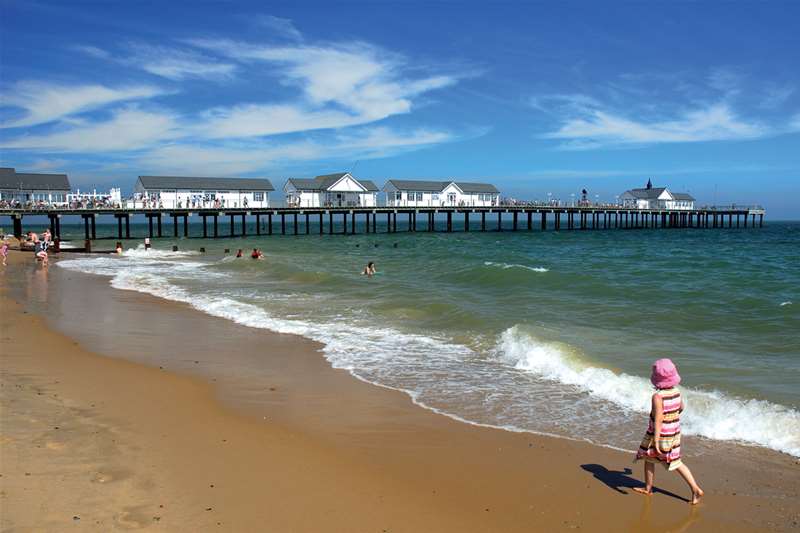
{"x": 537, "y": 98}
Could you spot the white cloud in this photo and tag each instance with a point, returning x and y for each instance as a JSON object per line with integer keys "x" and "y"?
{"x": 127, "y": 129}
{"x": 592, "y": 127}
{"x": 92, "y": 51}
{"x": 44, "y": 102}
{"x": 178, "y": 65}
{"x": 280, "y": 26}
{"x": 342, "y": 85}
{"x": 249, "y": 156}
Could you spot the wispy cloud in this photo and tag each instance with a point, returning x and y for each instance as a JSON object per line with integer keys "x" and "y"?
{"x": 92, "y": 51}
{"x": 43, "y": 102}
{"x": 280, "y": 26}
{"x": 343, "y": 85}
{"x": 127, "y": 129}
{"x": 714, "y": 123}
{"x": 177, "y": 65}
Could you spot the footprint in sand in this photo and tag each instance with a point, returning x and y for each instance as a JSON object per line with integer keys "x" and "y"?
{"x": 55, "y": 445}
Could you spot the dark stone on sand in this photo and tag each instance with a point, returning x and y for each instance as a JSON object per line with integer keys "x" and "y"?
{"x": 76, "y": 517}
{"x": 208, "y": 508}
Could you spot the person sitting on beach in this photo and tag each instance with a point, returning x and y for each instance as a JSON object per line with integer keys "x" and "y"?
{"x": 369, "y": 270}
{"x": 257, "y": 254}
{"x": 662, "y": 441}
{"x": 4, "y": 250}
{"x": 239, "y": 253}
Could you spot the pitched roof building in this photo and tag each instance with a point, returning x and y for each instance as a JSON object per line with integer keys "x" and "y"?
{"x": 422, "y": 193}
{"x": 33, "y": 187}
{"x": 650, "y": 197}
{"x": 341, "y": 189}
{"x": 199, "y": 192}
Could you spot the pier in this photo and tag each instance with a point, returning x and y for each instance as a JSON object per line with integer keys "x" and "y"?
{"x": 218, "y": 223}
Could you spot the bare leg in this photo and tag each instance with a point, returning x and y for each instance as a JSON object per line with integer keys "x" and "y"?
{"x": 649, "y": 475}
{"x": 686, "y": 474}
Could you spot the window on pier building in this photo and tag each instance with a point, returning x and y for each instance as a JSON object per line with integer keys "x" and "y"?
{"x": 258, "y": 196}
{"x": 398, "y": 196}
{"x": 411, "y": 196}
{"x": 419, "y": 196}
{"x": 434, "y": 196}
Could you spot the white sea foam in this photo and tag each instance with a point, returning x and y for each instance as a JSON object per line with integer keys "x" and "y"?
{"x": 429, "y": 369}
{"x": 711, "y": 414}
{"x": 783, "y": 304}
{"x": 506, "y": 266}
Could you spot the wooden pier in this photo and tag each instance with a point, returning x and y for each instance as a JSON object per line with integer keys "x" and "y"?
{"x": 352, "y": 220}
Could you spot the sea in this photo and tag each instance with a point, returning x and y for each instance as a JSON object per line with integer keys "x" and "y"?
{"x": 545, "y": 332}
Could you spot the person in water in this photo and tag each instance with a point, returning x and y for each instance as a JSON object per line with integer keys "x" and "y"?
{"x": 257, "y": 254}
{"x": 662, "y": 441}
{"x": 239, "y": 253}
{"x": 369, "y": 270}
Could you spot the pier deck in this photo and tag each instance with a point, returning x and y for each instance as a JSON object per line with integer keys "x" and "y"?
{"x": 290, "y": 221}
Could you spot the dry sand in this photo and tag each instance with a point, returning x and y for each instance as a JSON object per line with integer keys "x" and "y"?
{"x": 95, "y": 442}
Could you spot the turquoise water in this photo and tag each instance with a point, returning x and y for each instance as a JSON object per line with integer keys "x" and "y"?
{"x": 548, "y": 332}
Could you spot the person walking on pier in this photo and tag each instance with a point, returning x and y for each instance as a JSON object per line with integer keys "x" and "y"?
{"x": 662, "y": 441}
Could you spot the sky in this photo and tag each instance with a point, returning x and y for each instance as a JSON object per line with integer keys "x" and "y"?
{"x": 541, "y": 99}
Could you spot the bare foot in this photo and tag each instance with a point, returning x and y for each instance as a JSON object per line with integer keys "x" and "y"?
{"x": 697, "y": 495}
{"x": 644, "y": 490}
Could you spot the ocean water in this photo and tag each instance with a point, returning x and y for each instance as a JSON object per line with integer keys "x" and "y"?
{"x": 551, "y": 333}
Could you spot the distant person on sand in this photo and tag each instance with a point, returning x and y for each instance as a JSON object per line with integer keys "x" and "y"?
{"x": 239, "y": 253}
{"x": 40, "y": 249}
{"x": 662, "y": 441}
{"x": 257, "y": 254}
{"x": 4, "y": 250}
{"x": 369, "y": 270}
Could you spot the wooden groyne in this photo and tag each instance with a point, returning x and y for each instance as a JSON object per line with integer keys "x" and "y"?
{"x": 351, "y": 220}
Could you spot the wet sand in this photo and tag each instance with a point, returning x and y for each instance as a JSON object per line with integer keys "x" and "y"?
{"x": 123, "y": 411}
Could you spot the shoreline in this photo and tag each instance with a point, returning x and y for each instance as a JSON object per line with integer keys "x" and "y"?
{"x": 430, "y": 471}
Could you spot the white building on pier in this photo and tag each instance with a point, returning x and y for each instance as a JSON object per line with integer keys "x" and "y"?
{"x": 419, "y": 193}
{"x": 651, "y": 197}
{"x": 180, "y": 192}
{"x": 331, "y": 190}
{"x": 33, "y": 189}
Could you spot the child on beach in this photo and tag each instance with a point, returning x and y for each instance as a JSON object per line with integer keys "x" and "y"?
{"x": 662, "y": 441}
{"x": 4, "y": 250}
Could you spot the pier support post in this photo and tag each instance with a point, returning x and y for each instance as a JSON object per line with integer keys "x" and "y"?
{"x": 205, "y": 225}
{"x": 232, "y": 228}
{"x": 258, "y": 224}
{"x": 514, "y": 221}
{"x": 394, "y": 222}
{"x": 466, "y": 221}
{"x": 330, "y": 222}
{"x": 449, "y": 221}
{"x": 483, "y": 220}
{"x": 158, "y": 225}
{"x": 186, "y": 225}
{"x": 352, "y": 222}
{"x": 174, "y": 225}
{"x": 374, "y": 222}
{"x": 761, "y": 220}
{"x": 283, "y": 223}
{"x": 308, "y": 223}
{"x": 150, "y": 226}
{"x": 53, "y": 226}
{"x": 499, "y": 221}
{"x": 321, "y": 225}
{"x": 127, "y": 227}
{"x": 295, "y": 223}
{"x": 745, "y": 219}
{"x": 544, "y": 220}
{"x": 244, "y": 224}
{"x": 17, "y": 223}
{"x": 119, "y": 226}
{"x": 410, "y": 222}
{"x": 216, "y": 225}
{"x": 94, "y": 227}
{"x": 557, "y": 219}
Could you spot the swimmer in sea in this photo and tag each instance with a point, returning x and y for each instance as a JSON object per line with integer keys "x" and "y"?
{"x": 239, "y": 253}
{"x": 369, "y": 270}
{"x": 257, "y": 254}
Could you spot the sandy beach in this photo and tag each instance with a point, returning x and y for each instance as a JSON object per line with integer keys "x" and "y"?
{"x": 122, "y": 411}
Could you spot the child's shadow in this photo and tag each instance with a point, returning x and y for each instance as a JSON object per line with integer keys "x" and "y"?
{"x": 619, "y": 480}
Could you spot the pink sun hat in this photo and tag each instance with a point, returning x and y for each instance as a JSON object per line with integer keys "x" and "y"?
{"x": 665, "y": 374}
